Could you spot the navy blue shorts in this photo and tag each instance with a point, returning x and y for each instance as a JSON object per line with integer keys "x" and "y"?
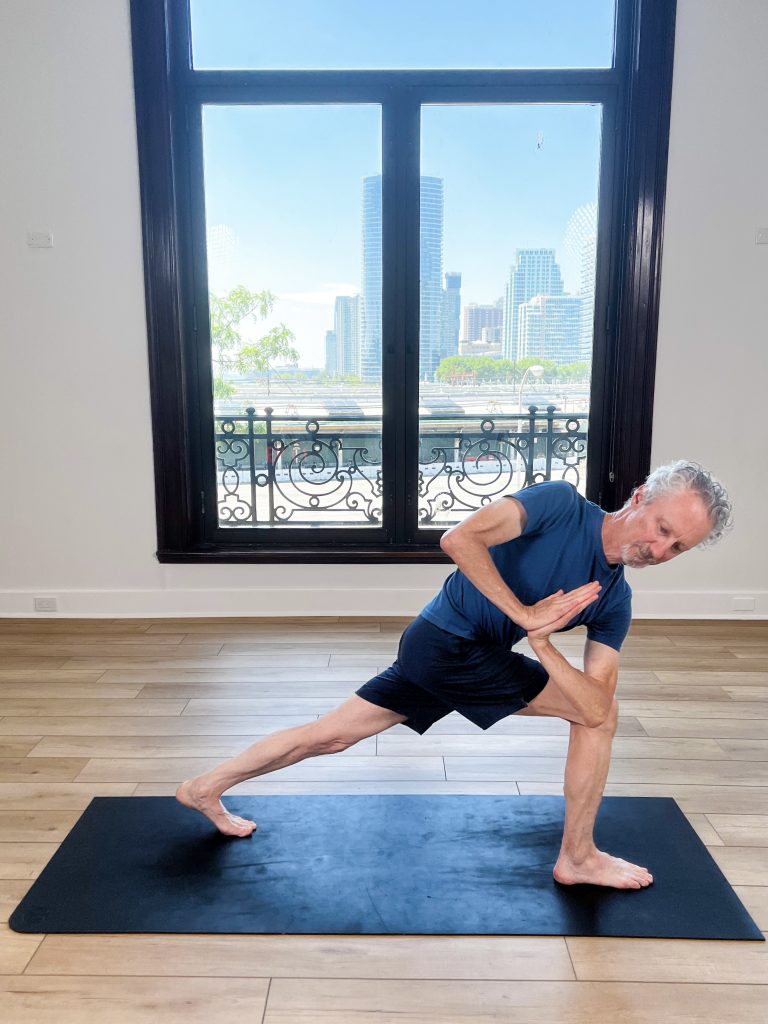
{"x": 436, "y": 672}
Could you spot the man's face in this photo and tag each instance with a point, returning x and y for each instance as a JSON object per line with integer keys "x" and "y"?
{"x": 660, "y": 530}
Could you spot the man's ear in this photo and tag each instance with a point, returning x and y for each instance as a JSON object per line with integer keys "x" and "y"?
{"x": 639, "y": 496}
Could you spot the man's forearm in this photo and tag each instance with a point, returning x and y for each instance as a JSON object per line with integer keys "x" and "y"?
{"x": 590, "y": 697}
{"x": 473, "y": 560}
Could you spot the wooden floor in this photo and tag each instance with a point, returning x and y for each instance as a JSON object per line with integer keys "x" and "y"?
{"x": 131, "y": 707}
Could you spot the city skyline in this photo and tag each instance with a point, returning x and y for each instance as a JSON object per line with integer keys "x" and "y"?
{"x": 297, "y": 215}
{"x": 535, "y": 317}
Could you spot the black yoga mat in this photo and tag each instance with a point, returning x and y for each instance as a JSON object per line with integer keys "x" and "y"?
{"x": 376, "y": 865}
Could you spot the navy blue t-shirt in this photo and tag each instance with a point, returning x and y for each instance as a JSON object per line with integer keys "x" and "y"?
{"x": 561, "y": 547}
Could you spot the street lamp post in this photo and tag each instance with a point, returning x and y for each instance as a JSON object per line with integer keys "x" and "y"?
{"x": 535, "y": 371}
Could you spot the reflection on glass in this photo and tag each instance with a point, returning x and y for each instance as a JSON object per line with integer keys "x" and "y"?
{"x": 293, "y": 221}
{"x": 508, "y": 257}
{"x": 308, "y": 34}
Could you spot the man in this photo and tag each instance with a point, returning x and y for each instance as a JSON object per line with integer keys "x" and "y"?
{"x": 533, "y": 563}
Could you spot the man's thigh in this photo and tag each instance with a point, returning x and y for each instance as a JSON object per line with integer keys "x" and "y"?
{"x": 355, "y": 720}
{"x": 553, "y": 703}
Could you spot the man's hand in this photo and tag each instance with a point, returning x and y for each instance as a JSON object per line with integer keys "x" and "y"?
{"x": 556, "y": 611}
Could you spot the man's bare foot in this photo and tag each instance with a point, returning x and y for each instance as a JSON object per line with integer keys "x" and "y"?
{"x": 230, "y": 824}
{"x": 602, "y": 869}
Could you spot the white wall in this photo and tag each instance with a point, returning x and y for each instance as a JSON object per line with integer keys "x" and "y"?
{"x": 73, "y": 348}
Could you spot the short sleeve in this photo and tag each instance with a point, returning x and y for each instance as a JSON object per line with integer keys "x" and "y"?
{"x": 546, "y": 504}
{"x": 612, "y": 626}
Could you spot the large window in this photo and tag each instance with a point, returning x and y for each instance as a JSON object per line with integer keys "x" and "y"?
{"x": 396, "y": 266}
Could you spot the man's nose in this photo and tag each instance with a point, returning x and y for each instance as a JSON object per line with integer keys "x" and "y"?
{"x": 662, "y": 550}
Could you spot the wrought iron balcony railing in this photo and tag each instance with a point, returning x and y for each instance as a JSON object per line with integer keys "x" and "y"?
{"x": 326, "y": 470}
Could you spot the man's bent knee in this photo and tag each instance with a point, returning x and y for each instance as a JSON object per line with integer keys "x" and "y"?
{"x": 606, "y": 720}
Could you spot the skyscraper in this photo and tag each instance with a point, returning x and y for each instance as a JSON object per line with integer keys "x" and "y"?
{"x": 370, "y": 332}
{"x": 451, "y": 313}
{"x": 534, "y": 272}
{"x": 548, "y": 328}
{"x": 581, "y": 243}
{"x": 478, "y": 317}
{"x": 330, "y": 353}
{"x": 346, "y": 327}
{"x": 431, "y": 265}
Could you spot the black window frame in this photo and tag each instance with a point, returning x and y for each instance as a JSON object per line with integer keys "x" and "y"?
{"x": 635, "y": 95}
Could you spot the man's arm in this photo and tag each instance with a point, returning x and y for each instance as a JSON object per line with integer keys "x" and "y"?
{"x": 591, "y": 692}
{"x": 467, "y": 545}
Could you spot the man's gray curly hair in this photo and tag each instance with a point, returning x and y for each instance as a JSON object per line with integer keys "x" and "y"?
{"x": 682, "y": 475}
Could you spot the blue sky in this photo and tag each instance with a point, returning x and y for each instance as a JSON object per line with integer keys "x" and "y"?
{"x": 287, "y": 181}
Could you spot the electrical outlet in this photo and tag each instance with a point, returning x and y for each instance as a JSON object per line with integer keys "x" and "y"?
{"x": 743, "y": 604}
{"x": 40, "y": 239}
{"x": 46, "y": 604}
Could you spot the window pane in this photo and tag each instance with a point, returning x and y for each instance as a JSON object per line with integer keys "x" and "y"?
{"x": 315, "y": 35}
{"x": 508, "y": 255}
{"x": 293, "y": 220}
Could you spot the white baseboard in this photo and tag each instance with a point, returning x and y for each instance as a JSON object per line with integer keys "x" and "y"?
{"x": 303, "y": 601}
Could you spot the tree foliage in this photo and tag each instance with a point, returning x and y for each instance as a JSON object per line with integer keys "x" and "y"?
{"x": 484, "y": 370}
{"x": 229, "y": 350}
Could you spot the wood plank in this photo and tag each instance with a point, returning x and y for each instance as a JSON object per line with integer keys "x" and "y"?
{"x": 36, "y": 826}
{"x": 225, "y": 705}
{"x": 250, "y": 726}
{"x": 69, "y": 691}
{"x": 57, "y": 796}
{"x": 715, "y": 728}
{"x": 747, "y": 692}
{"x": 40, "y": 769}
{"x": 18, "y": 709}
{"x": 745, "y": 750}
{"x": 267, "y": 785}
{"x": 266, "y": 627}
{"x": 396, "y": 745}
{"x": 179, "y": 660}
{"x": 705, "y": 830}
{"x": 742, "y": 865}
{"x": 670, "y": 960}
{"x": 695, "y": 708}
{"x": 377, "y": 1001}
{"x": 219, "y": 747}
{"x": 266, "y": 674}
{"x": 82, "y": 651}
{"x": 671, "y": 691}
{"x": 714, "y": 678}
{"x": 17, "y": 950}
{"x": 379, "y": 650}
{"x": 741, "y": 829}
{"x": 25, "y": 860}
{"x": 40, "y": 675}
{"x": 12, "y": 746}
{"x": 168, "y": 769}
{"x": 18, "y": 664}
{"x": 291, "y": 956}
{"x": 322, "y": 689}
{"x": 87, "y": 999}
{"x": 550, "y": 769}
{"x": 755, "y": 899}
{"x": 101, "y": 638}
{"x": 12, "y": 892}
{"x": 691, "y": 798}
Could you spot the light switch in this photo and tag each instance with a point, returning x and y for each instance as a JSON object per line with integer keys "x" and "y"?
{"x": 762, "y": 236}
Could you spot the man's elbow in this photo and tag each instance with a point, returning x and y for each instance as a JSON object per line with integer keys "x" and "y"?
{"x": 448, "y": 542}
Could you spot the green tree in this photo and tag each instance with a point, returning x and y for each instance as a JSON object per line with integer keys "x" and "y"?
{"x": 574, "y": 372}
{"x": 228, "y": 348}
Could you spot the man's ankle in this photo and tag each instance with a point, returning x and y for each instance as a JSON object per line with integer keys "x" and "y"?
{"x": 578, "y": 854}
